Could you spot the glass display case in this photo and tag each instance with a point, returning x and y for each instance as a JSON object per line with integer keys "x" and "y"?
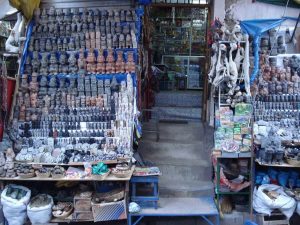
{"x": 191, "y": 67}
{"x": 179, "y": 42}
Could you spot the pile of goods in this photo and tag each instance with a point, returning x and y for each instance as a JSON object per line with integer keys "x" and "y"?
{"x": 279, "y": 189}
{"x": 75, "y": 101}
{"x": 276, "y": 110}
{"x": 121, "y": 170}
{"x": 233, "y": 132}
{"x": 76, "y": 203}
{"x": 229, "y": 69}
{"x": 62, "y": 210}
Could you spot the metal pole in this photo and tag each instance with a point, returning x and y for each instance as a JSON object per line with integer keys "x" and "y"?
{"x": 295, "y": 28}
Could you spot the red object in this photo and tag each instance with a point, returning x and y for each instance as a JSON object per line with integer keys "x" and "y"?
{"x": 7, "y": 98}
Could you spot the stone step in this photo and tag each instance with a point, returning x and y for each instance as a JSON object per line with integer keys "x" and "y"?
{"x": 178, "y": 113}
{"x": 179, "y": 98}
{"x": 171, "y": 151}
{"x": 183, "y": 173}
{"x": 187, "y": 188}
{"x": 173, "y": 132}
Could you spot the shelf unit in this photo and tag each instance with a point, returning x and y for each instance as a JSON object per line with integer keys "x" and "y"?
{"x": 181, "y": 33}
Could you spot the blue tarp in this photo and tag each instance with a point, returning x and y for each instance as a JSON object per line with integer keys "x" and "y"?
{"x": 256, "y": 28}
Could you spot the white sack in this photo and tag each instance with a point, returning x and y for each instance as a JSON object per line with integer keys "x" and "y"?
{"x": 15, "y": 210}
{"x": 40, "y": 215}
{"x": 263, "y": 204}
{"x": 298, "y": 208}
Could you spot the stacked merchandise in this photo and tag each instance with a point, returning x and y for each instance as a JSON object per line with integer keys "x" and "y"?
{"x": 276, "y": 111}
{"x": 230, "y": 88}
{"x": 74, "y": 108}
{"x": 76, "y": 95}
{"x": 229, "y": 76}
{"x": 276, "y": 134}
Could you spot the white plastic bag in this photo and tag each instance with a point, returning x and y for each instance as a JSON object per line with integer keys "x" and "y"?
{"x": 40, "y": 215}
{"x": 298, "y": 208}
{"x": 263, "y": 204}
{"x": 15, "y": 210}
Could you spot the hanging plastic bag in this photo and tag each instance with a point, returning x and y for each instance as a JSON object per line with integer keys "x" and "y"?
{"x": 14, "y": 199}
{"x": 262, "y": 203}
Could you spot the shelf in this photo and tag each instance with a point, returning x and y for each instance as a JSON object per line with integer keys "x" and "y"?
{"x": 109, "y": 178}
{"x": 228, "y": 155}
{"x": 69, "y": 164}
{"x": 57, "y": 220}
{"x": 276, "y": 165}
{"x": 232, "y": 193}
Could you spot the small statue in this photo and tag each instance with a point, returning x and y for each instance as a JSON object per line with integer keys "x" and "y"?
{"x": 24, "y": 82}
{"x": 33, "y": 85}
{"x": 130, "y": 65}
{"x": 81, "y": 61}
{"x": 53, "y": 68}
{"x": 9, "y": 164}
{"x": 120, "y": 64}
{"x": 44, "y": 17}
{"x": 100, "y": 62}
{"x": 91, "y": 59}
{"x": 59, "y": 16}
{"x": 294, "y": 63}
{"x": 71, "y": 45}
{"x": 33, "y": 100}
{"x": 72, "y": 63}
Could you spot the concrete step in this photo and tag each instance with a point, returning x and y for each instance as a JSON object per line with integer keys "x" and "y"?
{"x": 178, "y": 113}
{"x": 173, "y": 132}
{"x": 187, "y": 188}
{"x": 183, "y": 173}
{"x": 179, "y": 98}
{"x": 171, "y": 151}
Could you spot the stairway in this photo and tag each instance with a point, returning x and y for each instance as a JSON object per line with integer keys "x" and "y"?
{"x": 183, "y": 155}
{"x": 179, "y": 105}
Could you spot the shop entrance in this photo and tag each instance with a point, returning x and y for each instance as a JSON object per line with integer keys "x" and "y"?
{"x": 176, "y": 47}
{"x": 178, "y": 59}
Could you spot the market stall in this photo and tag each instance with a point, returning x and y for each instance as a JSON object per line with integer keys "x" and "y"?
{"x": 73, "y": 116}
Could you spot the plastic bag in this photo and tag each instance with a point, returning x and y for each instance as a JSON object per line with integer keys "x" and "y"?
{"x": 298, "y": 208}
{"x": 40, "y": 215}
{"x": 265, "y": 205}
{"x": 15, "y": 210}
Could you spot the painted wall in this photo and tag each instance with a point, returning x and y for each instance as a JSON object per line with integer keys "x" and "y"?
{"x": 245, "y": 9}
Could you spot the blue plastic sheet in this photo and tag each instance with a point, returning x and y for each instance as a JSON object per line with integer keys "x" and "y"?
{"x": 256, "y": 28}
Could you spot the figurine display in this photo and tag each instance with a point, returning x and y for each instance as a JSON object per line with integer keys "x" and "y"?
{"x": 229, "y": 70}
{"x": 66, "y": 111}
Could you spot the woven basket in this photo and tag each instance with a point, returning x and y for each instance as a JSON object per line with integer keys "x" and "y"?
{"x": 43, "y": 175}
{"x": 64, "y": 214}
{"x": 111, "y": 196}
{"x": 101, "y": 176}
{"x": 57, "y": 176}
{"x": 26, "y": 176}
{"x": 293, "y": 162}
{"x": 121, "y": 173}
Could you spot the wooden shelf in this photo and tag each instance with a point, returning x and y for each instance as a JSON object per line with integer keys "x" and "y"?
{"x": 69, "y": 164}
{"x": 276, "y": 165}
{"x": 110, "y": 177}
